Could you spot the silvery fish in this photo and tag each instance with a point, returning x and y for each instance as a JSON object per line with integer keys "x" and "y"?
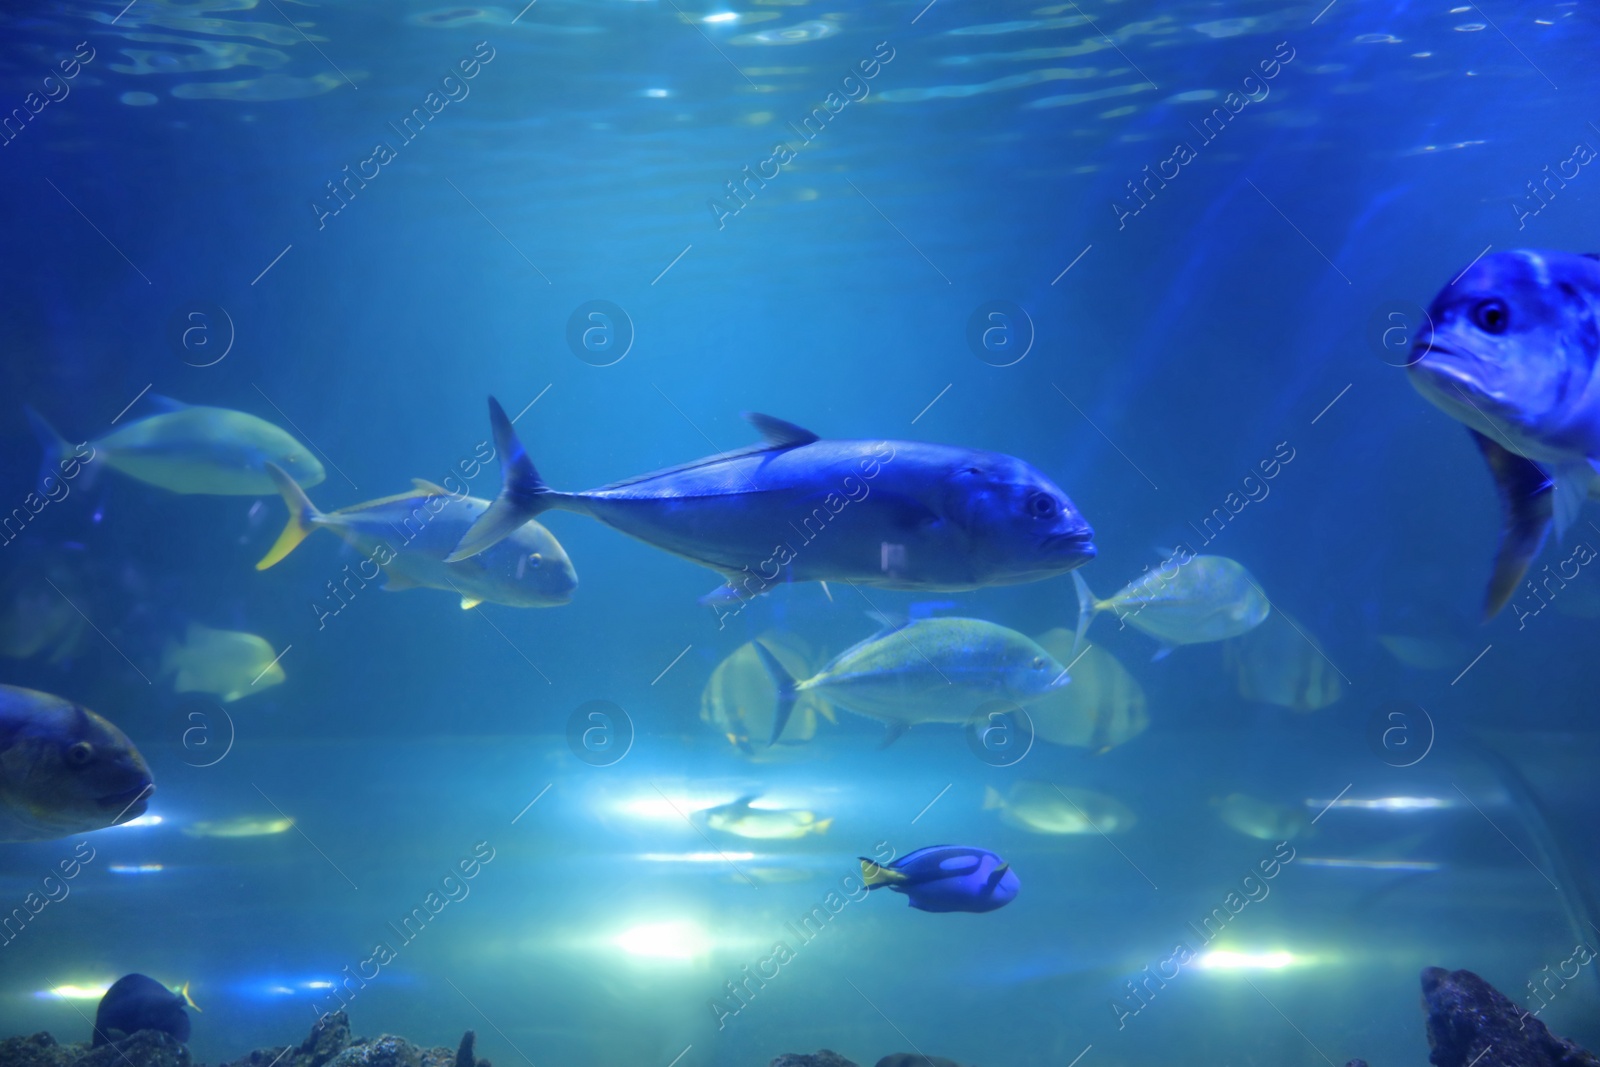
{"x": 187, "y": 449}
{"x": 1103, "y": 707}
{"x": 1043, "y": 808}
{"x": 1261, "y": 818}
{"x": 762, "y": 824}
{"x": 63, "y": 769}
{"x": 228, "y": 664}
{"x": 240, "y": 826}
{"x": 1207, "y": 598}
{"x": 1279, "y": 663}
{"x": 409, "y": 534}
{"x": 933, "y": 670}
{"x": 1511, "y": 348}
{"x": 893, "y": 514}
{"x": 741, "y": 700}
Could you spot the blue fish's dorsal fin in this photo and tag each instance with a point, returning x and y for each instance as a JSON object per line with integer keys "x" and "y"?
{"x": 888, "y": 622}
{"x": 777, "y": 433}
{"x": 165, "y": 404}
{"x": 744, "y": 802}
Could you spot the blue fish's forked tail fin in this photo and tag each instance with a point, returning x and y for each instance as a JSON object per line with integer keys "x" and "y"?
{"x": 56, "y": 448}
{"x": 786, "y": 689}
{"x": 303, "y": 517}
{"x": 523, "y": 494}
{"x": 1086, "y": 610}
{"x": 875, "y": 875}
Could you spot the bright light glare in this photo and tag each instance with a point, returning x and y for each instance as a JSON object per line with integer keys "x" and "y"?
{"x": 1369, "y": 865}
{"x": 1391, "y": 803}
{"x": 143, "y": 820}
{"x": 318, "y": 985}
{"x": 696, "y": 857}
{"x": 77, "y": 992}
{"x": 1223, "y": 960}
{"x": 721, "y": 16}
{"x": 657, "y": 94}
{"x": 142, "y": 868}
{"x": 659, "y": 807}
{"x": 671, "y": 940}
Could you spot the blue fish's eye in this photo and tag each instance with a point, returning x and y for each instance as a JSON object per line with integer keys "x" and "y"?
{"x": 1042, "y": 506}
{"x": 80, "y": 753}
{"x": 1491, "y": 316}
{"x": 536, "y": 559}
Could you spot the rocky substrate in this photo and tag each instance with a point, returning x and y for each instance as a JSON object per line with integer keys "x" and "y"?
{"x": 328, "y": 1045}
{"x": 1470, "y": 1024}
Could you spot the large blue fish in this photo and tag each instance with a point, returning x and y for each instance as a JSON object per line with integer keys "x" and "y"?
{"x": 1512, "y": 349}
{"x": 947, "y": 878}
{"x": 892, "y": 514}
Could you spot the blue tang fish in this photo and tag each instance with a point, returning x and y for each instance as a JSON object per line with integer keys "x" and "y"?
{"x": 135, "y": 1003}
{"x": 892, "y": 514}
{"x": 947, "y": 878}
{"x": 1511, "y": 349}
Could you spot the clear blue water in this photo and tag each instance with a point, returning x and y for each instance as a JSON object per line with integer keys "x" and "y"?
{"x": 185, "y": 168}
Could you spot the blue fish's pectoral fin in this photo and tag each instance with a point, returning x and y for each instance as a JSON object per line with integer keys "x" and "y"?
{"x": 165, "y": 404}
{"x": 722, "y": 596}
{"x": 786, "y": 689}
{"x": 395, "y": 582}
{"x": 470, "y": 602}
{"x": 779, "y": 434}
{"x": 994, "y": 880}
{"x": 1162, "y": 652}
{"x": 892, "y": 734}
{"x": 1526, "y": 509}
{"x": 1086, "y": 610}
{"x": 523, "y": 494}
{"x": 1572, "y": 482}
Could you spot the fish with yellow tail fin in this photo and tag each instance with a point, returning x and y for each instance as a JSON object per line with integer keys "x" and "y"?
{"x": 946, "y": 878}
{"x": 1104, "y": 706}
{"x": 63, "y": 769}
{"x": 1279, "y": 662}
{"x": 408, "y": 535}
{"x": 228, "y": 664}
{"x": 762, "y": 824}
{"x": 187, "y": 449}
{"x": 1207, "y": 598}
{"x": 740, "y": 700}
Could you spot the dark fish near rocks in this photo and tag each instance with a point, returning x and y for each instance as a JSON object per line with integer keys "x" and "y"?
{"x": 1511, "y": 350}
{"x": 892, "y": 514}
{"x": 135, "y": 1003}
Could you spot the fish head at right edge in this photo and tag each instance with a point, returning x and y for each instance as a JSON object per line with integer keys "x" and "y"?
{"x": 1020, "y": 525}
{"x": 1510, "y": 347}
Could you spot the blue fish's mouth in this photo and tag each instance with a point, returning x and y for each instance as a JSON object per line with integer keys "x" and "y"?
{"x": 1078, "y": 542}
{"x": 126, "y": 801}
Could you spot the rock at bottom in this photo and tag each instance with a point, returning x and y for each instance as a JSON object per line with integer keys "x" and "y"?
{"x": 1469, "y": 1021}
